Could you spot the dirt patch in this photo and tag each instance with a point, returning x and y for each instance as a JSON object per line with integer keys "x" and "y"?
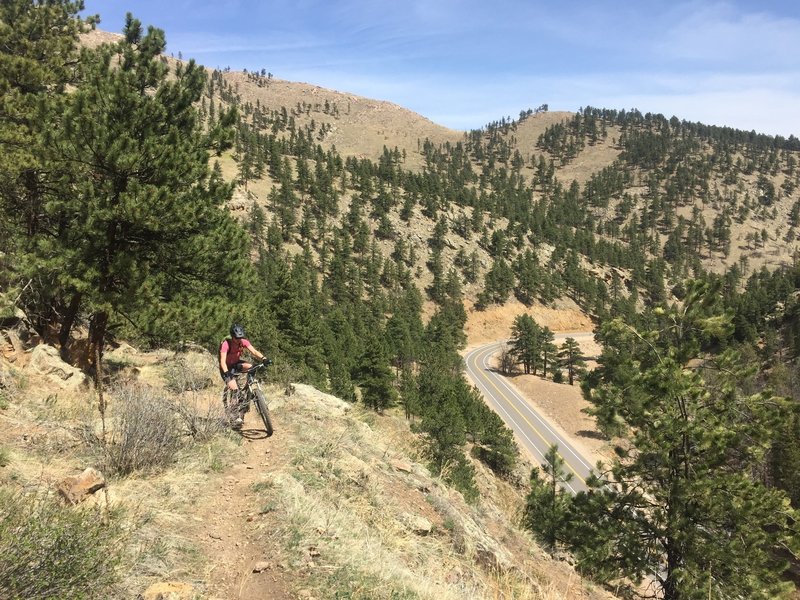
{"x": 495, "y": 322}
{"x": 230, "y": 525}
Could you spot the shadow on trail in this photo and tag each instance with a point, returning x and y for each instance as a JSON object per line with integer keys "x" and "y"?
{"x": 253, "y": 434}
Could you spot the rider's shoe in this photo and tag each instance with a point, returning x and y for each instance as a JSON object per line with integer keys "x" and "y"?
{"x": 238, "y": 422}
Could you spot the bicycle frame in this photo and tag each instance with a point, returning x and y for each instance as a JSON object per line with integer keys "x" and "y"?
{"x": 250, "y": 393}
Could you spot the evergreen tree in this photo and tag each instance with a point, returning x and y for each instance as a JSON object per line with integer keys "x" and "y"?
{"x": 444, "y": 394}
{"x": 679, "y": 504}
{"x": 494, "y": 442}
{"x": 498, "y": 283}
{"x": 38, "y": 54}
{"x": 548, "y": 349}
{"x": 571, "y": 358}
{"x": 137, "y": 214}
{"x": 547, "y": 505}
{"x": 375, "y": 375}
{"x": 526, "y": 342}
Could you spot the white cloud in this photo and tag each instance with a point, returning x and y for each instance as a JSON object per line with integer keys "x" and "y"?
{"x": 717, "y": 33}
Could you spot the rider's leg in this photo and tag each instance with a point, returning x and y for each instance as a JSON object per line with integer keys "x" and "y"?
{"x": 230, "y": 398}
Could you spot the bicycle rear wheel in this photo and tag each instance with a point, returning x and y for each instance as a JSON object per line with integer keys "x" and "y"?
{"x": 263, "y": 410}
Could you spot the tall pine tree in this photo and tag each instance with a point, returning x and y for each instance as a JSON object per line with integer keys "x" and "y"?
{"x": 137, "y": 226}
{"x": 679, "y": 505}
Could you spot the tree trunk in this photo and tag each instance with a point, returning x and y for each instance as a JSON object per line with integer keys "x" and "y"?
{"x": 97, "y": 334}
{"x": 66, "y": 325}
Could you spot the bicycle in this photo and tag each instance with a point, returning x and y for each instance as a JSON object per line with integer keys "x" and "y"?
{"x": 250, "y": 392}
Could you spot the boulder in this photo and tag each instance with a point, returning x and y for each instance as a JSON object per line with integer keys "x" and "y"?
{"x": 76, "y": 489}
{"x": 11, "y": 347}
{"x": 262, "y": 566}
{"x": 485, "y": 550}
{"x": 46, "y": 361}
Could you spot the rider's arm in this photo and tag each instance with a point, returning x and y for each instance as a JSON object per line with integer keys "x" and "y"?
{"x": 254, "y": 352}
{"x": 223, "y": 365}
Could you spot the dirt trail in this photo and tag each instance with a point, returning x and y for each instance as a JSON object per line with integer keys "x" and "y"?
{"x": 230, "y": 524}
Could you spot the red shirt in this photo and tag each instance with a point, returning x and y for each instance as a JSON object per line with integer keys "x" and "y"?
{"x": 234, "y": 347}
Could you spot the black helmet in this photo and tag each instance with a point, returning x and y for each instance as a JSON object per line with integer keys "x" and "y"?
{"x": 237, "y": 331}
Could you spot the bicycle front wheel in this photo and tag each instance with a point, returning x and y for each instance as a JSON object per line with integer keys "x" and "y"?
{"x": 263, "y": 410}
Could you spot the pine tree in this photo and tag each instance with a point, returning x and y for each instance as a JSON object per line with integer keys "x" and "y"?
{"x": 526, "y": 342}
{"x": 38, "y": 54}
{"x": 547, "y": 505}
{"x": 137, "y": 216}
{"x": 679, "y": 504}
{"x": 548, "y": 349}
{"x": 571, "y": 358}
{"x": 375, "y": 374}
{"x": 494, "y": 442}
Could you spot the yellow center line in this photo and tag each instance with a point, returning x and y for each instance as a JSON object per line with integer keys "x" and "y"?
{"x": 531, "y": 425}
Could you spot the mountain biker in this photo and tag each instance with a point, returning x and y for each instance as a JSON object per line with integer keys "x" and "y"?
{"x": 230, "y": 357}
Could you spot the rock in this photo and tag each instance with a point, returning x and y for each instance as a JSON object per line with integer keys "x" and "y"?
{"x": 170, "y": 590}
{"x": 399, "y": 465}
{"x": 416, "y": 523}
{"x": 14, "y": 350}
{"x": 493, "y": 557}
{"x": 484, "y": 549}
{"x": 46, "y": 361}
{"x": 262, "y": 566}
{"x": 76, "y": 489}
{"x": 120, "y": 351}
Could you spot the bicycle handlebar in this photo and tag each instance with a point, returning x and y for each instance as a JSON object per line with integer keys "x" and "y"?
{"x": 262, "y": 365}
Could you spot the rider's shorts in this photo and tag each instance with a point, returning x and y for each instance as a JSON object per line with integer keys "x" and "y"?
{"x": 235, "y": 369}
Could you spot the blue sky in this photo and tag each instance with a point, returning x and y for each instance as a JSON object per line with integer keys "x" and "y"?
{"x": 465, "y": 63}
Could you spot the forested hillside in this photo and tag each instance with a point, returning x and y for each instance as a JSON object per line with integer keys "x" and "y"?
{"x": 145, "y": 198}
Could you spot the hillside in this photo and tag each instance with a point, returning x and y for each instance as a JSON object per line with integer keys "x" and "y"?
{"x": 731, "y": 186}
{"x": 147, "y": 203}
{"x": 712, "y": 187}
{"x": 337, "y": 502}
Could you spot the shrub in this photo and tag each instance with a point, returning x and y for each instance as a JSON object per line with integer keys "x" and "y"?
{"x": 185, "y": 376}
{"x": 51, "y": 551}
{"x": 9, "y": 387}
{"x": 145, "y": 433}
{"x": 203, "y": 425}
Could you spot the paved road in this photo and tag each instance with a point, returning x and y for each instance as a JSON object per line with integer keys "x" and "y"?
{"x": 531, "y": 428}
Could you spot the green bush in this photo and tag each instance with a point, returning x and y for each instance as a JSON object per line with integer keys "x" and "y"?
{"x": 48, "y": 550}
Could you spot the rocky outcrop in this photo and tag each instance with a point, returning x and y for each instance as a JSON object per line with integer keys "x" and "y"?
{"x": 45, "y": 361}
{"x": 416, "y": 524}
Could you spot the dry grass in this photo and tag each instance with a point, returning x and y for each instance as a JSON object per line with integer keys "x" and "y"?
{"x": 338, "y": 512}
{"x": 189, "y": 374}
